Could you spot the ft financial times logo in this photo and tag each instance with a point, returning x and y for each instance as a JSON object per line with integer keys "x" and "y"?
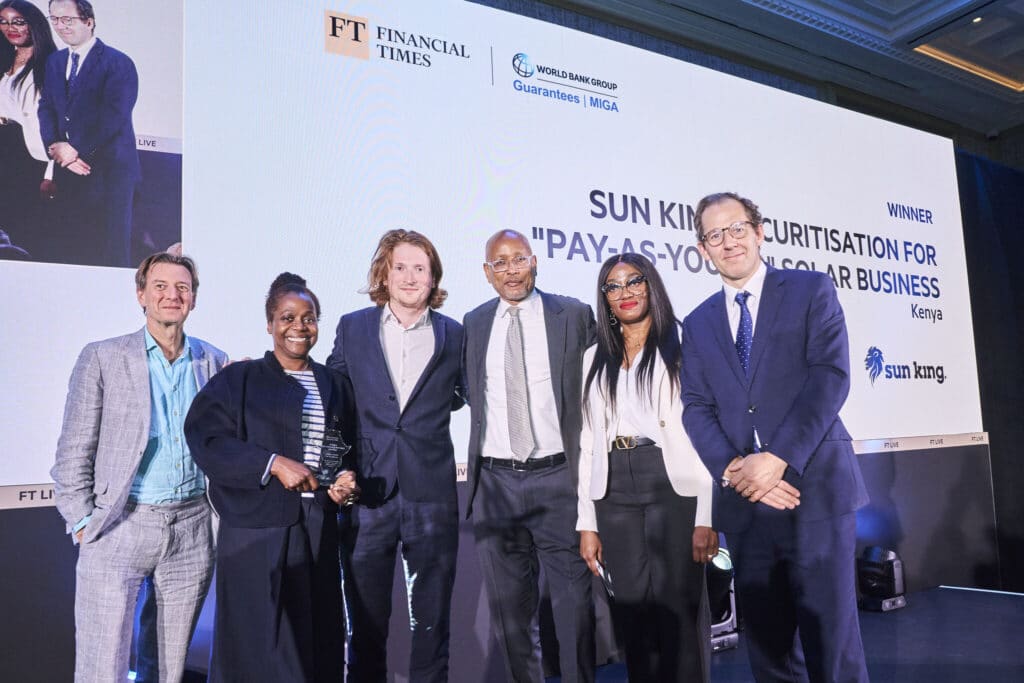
{"x": 562, "y": 85}
{"x": 877, "y": 368}
{"x": 351, "y": 36}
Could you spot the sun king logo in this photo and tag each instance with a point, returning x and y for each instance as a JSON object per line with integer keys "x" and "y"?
{"x": 876, "y": 366}
{"x": 346, "y": 35}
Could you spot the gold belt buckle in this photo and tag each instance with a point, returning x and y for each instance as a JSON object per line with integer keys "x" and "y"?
{"x": 625, "y": 443}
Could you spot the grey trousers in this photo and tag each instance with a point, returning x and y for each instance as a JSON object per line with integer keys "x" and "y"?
{"x": 171, "y": 543}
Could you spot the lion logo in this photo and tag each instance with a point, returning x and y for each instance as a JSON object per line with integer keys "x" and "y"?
{"x": 873, "y": 363}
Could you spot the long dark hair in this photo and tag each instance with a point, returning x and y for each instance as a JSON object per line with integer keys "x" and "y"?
{"x": 663, "y": 337}
{"x": 42, "y": 43}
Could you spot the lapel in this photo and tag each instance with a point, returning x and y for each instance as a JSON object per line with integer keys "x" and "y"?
{"x": 85, "y": 69}
{"x": 772, "y": 297}
{"x": 371, "y": 331}
{"x": 200, "y": 363}
{"x": 136, "y": 369}
{"x": 480, "y": 340}
{"x": 437, "y": 323}
{"x": 726, "y": 344}
{"x": 555, "y": 323}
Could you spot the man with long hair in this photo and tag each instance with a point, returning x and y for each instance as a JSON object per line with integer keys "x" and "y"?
{"x": 403, "y": 358}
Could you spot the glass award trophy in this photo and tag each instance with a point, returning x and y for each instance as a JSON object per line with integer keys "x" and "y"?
{"x": 331, "y": 453}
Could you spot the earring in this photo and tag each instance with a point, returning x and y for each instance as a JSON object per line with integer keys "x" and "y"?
{"x": 612, "y": 320}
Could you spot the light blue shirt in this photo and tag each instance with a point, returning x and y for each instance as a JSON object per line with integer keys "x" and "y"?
{"x": 167, "y": 472}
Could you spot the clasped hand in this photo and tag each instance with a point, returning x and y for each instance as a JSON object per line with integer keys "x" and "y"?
{"x": 758, "y": 478}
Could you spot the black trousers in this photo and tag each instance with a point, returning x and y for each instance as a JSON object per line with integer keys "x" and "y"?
{"x": 524, "y": 520}
{"x": 428, "y": 534}
{"x": 279, "y": 617}
{"x": 659, "y": 607}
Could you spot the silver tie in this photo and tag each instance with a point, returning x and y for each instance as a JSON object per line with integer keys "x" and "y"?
{"x": 520, "y": 433}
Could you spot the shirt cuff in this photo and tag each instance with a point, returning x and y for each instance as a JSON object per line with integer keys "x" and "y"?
{"x": 266, "y": 473}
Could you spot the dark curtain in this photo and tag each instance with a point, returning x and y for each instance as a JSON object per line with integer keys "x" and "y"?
{"x": 992, "y": 203}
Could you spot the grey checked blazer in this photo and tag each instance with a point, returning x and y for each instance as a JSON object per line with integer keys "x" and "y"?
{"x": 106, "y": 427}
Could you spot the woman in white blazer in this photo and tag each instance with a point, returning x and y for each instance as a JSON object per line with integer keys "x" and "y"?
{"x": 644, "y": 494}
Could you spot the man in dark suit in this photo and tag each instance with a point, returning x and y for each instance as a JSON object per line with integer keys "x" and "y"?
{"x": 403, "y": 359}
{"x": 85, "y": 118}
{"x": 766, "y": 369}
{"x": 523, "y": 363}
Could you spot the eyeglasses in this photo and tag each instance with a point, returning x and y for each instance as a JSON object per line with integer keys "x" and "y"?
{"x": 614, "y": 291}
{"x": 67, "y": 21}
{"x": 19, "y": 22}
{"x": 715, "y": 237}
{"x": 501, "y": 265}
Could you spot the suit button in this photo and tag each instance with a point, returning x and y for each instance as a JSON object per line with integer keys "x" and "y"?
{"x": 398, "y": 429}
{"x": 752, "y": 409}
{"x": 391, "y": 397}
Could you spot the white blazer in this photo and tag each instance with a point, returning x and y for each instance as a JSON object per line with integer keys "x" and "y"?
{"x": 685, "y": 469}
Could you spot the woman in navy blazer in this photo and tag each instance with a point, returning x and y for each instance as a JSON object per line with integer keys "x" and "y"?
{"x": 644, "y": 496}
{"x": 256, "y": 430}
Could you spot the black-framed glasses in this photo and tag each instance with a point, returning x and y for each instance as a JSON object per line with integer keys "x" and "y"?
{"x": 19, "y": 22}
{"x": 738, "y": 230}
{"x": 635, "y": 285}
{"x": 501, "y": 265}
{"x": 67, "y": 21}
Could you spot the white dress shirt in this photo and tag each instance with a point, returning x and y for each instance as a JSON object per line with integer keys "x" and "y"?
{"x": 635, "y": 413}
{"x": 754, "y": 285}
{"x": 407, "y": 351}
{"x": 543, "y": 410}
{"x": 82, "y": 51}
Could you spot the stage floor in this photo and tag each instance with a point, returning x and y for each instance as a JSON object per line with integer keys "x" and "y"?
{"x": 943, "y": 635}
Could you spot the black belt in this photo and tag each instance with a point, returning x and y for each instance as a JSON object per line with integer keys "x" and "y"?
{"x": 628, "y": 443}
{"x": 546, "y": 462}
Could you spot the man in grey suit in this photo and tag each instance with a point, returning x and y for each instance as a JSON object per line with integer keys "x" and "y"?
{"x": 126, "y": 484}
{"x": 523, "y": 364}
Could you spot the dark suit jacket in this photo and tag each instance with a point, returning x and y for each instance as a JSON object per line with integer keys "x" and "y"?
{"x": 571, "y": 330}
{"x": 95, "y": 115}
{"x": 799, "y": 379}
{"x": 412, "y": 446}
{"x": 248, "y": 411}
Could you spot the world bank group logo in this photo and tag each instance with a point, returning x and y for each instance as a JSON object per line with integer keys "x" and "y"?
{"x": 522, "y": 65}
{"x": 874, "y": 363}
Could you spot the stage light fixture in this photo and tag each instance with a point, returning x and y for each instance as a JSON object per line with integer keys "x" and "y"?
{"x": 722, "y": 600}
{"x": 880, "y": 578}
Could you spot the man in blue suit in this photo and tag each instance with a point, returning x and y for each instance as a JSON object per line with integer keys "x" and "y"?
{"x": 766, "y": 369}
{"x": 85, "y": 118}
{"x": 404, "y": 361}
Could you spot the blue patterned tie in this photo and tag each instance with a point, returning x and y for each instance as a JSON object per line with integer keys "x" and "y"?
{"x": 744, "y": 332}
{"x": 74, "y": 70}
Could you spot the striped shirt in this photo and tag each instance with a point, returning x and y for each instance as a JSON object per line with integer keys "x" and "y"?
{"x": 312, "y": 420}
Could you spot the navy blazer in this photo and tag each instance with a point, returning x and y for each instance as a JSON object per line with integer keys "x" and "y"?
{"x": 570, "y": 330}
{"x": 799, "y": 379}
{"x": 410, "y": 446}
{"x": 95, "y": 114}
{"x": 244, "y": 414}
